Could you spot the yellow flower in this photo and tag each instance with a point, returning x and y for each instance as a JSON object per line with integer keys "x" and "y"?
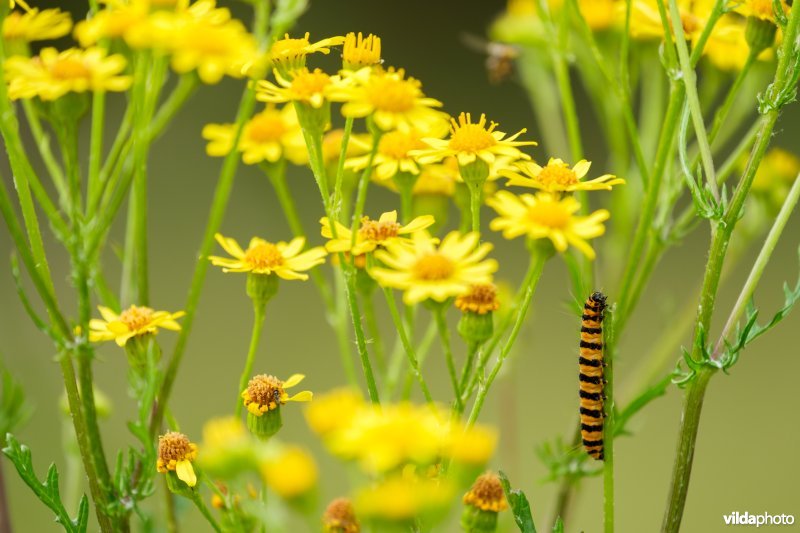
{"x": 266, "y": 393}
{"x": 392, "y": 100}
{"x": 425, "y": 271}
{"x": 487, "y": 494}
{"x": 268, "y": 136}
{"x": 290, "y": 54}
{"x": 360, "y": 52}
{"x": 372, "y": 233}
{"x": 727, "y": 48}
{"x": 309, "y": 87}
{"x": 262, "y": 257}
{"x": 402, "y": 498}
{"x": 473, "y": 446}
{"x": 332, "y": 145}
{"x": 113, "y": 22}
{"x": 132, "y": 322}
{"x": 471, "y": 141}
{"x": 557, "y": 176}
{"x": 36, "y": 25}
{"x": 340, "y": 517}
{"x": 481, "y": 299}
{"x": 333, "y": 411}
{"x": 213, "y": 44}
{"x": 291, "y": 472}
{"x": 760, "y": 9}
{"x": 545, "y": 215}
{"x": 175, "y": 454}
{"x": 228, "y": 449}
{"x": 393, "y": 155}
{"x": 53, "y": 74}
{"x": 646, "y": 20}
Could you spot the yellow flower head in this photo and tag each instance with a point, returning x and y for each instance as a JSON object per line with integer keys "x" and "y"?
{"x": 727, "y": 47}
{"x": 175, "y": 454}
{"x": 545, "y": 215}
{"x": 228, "y": 449}
{"x": 340, "y": 517}
{"x": 760, "y": 9}
{"x": 557, "y": 176}
{"x": 487, "y": 494}
{"x": 473, "y": 446}
{"x": 481, "y": 299}
{"x": 52, "y": 74}
{"x": 425, "y": 271}
{"x": 112, "y": 22}
{"x": 290, "y": 54}
{"x": 373, "y": 233}
{"x": 209, "y": 41}
{"x": 332, "y": 145}
{"x": 394, "y": 152}
{"x": 775, "y": 175}
{"x": 333, "y": 411}
{"x": 268, "y": 136}
{"x": 262, "y": 257}
{"x": 35, "y": 25}
{"x": 402, "y": 498}
{"x": 392, "y": 100}
{"x": 646, "y": 20}
{"x": 291, "y": 472}
{"x": 360, "y": 51}
{"x": 132, "y": 322}
{"x": 470, "y": 141}
{"x": 267, "y": 393}
{"x": 309, "y": 87}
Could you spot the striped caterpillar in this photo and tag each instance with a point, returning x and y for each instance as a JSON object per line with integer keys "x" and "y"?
{"x": 591, "y": 375}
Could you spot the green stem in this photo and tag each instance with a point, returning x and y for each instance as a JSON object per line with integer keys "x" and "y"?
{"x": 361, "y": 340}
{"x": 440, "y": 315}
{"x": 538, "y": 260}
{"x": 565, "y": 88}
{"x": 609, "y": 423}
{"x": 337, "y": 186}
{"x": 43, "y": 145}
{"x": 187, "y": 85}
{"x": 760, "y": 264}
{"x": 407, "y": 345}
{"x": 374, "y": 332}
{"x": 472, "y": 355}
{"x": 169, "y": 508}
{"x": 423, "y": 348}
{"x": 96, "y": 145}
{"x": 255, "y": 336}
{"x": 363, "y": 185}
{"x": 201, "y": 506}
{"x": 475, "y": 201}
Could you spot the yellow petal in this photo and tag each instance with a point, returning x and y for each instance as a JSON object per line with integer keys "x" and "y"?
{"x": 186, "y": 473}
{"x": 293, "y": 380}
{"x": 304, "y": 396}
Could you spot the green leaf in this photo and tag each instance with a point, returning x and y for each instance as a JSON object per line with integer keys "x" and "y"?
{"x": 47, "y": 492}
{"x": 286, "y": 14}
{"x": 558, "y": 527}
{"x": 14, "y": 410}
{"x": 519, "y": 506}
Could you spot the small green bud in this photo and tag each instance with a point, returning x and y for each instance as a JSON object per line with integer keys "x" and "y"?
{"x": 261, "y": 287}
{"x": 759, "y": 34}
{"x": 474, "y": 520}
{"x": 476, "y": 328}
{"x": 314, "y": 120}
{"x": 266, "y": 425}
{"x": 475, "y": 174}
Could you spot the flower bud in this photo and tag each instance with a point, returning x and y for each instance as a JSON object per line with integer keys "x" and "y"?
{"x": 482, "y": 503}
{"x": 759, "y": 34}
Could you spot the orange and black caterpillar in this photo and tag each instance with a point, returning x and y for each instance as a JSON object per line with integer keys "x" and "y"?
{"x": 591, "y": 375}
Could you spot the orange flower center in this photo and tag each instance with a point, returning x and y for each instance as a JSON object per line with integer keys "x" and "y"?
{"x": 136, "y": 318}
{"x": 471, "y": 138}
{"x": 549, "y": 214}
{"x": 266, "y": 127}
{"x": 69, "y": 69}
{"x": 397, "y": 144}
{"x": 264, "y": 390}
{"x": 264, "y": 255}
{"x": 306, "y": 84}
{"x": 480, "y": 299}
{"x": 374, "y": 230}
{"x": 391, "y": 94}
{"x": 487, "y": 494}
{"x": 340, "y": 517}
{"x": 557, "y": 174}
{"x": 433, "y": 267}
{"x": 174, "y": 446}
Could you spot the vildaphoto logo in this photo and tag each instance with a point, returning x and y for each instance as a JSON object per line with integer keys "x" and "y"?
{"x": 764, "y": 519}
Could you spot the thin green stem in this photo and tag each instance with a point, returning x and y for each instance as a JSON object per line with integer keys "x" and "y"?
{"x": 201, "y": 506}
{"x": 423, "y": 349}
{"x": 255, "y": 337}
{"x": 183, "y": 91}
{"x": 440, "y": 315}
{"x": 538, "y": 260}
{"x": 43, "y": 145}
{"x": 475, "y": 201}
{"x": 609, "y": 351}
{"x": 361, "y": 340}
{"x": 337, "y": 186}
{"x": 363, "y": 185}
{"x": 96, "y": 145}
{"x": 408, "y": 347}
{"x": 374, "y": 332}
{"x": 469, "y": 363}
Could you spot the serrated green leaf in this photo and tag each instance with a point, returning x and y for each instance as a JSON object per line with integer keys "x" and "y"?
{"x": 520, "y": 507}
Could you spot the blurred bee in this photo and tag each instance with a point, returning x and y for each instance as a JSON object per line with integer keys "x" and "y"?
{"x": 499, "y": 57}
{"x": 276, "y": 394}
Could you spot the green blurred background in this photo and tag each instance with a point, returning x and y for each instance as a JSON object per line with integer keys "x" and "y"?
{"x": 745, "y": 457}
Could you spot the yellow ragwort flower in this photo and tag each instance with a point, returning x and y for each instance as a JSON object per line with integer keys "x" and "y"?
{"x": 290, "y": 54}
{"x": 545, "y": 215}
{"x": 262, "y": 257}
{"x": 175, "y": 454}
{"x": 471, "y": 141}
{"x": 394, "y": 153}
{"x": 309, "y": 87}
{"x": 36, "y": 25}
{"x": 401, "y": 498}
{"x": 268, "y": 136}
{"x": 360, "y": 51}
{"x": 373, "y": 234}
{"x": 340, "y": 517}
{"x": 333, "y": 411}
{"x": 132, "y": 322}
{"x": 52, "y": 74}
{"x": 487, "y": 494}
{"x": 646, "y": 19}
{"x": 291, "y": 472}
{"x": 112, "y": 22}
{"x": 392, "y": 100}
{"x": 557, "y": 176}
{"x": 481, "y": 299}
{"x": 425, "y": 271}
{"x": 266, "y": 393}
{"x": 760, "y": 9}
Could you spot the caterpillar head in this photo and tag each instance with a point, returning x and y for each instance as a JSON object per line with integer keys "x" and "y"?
{"x": 599, "y": 298}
